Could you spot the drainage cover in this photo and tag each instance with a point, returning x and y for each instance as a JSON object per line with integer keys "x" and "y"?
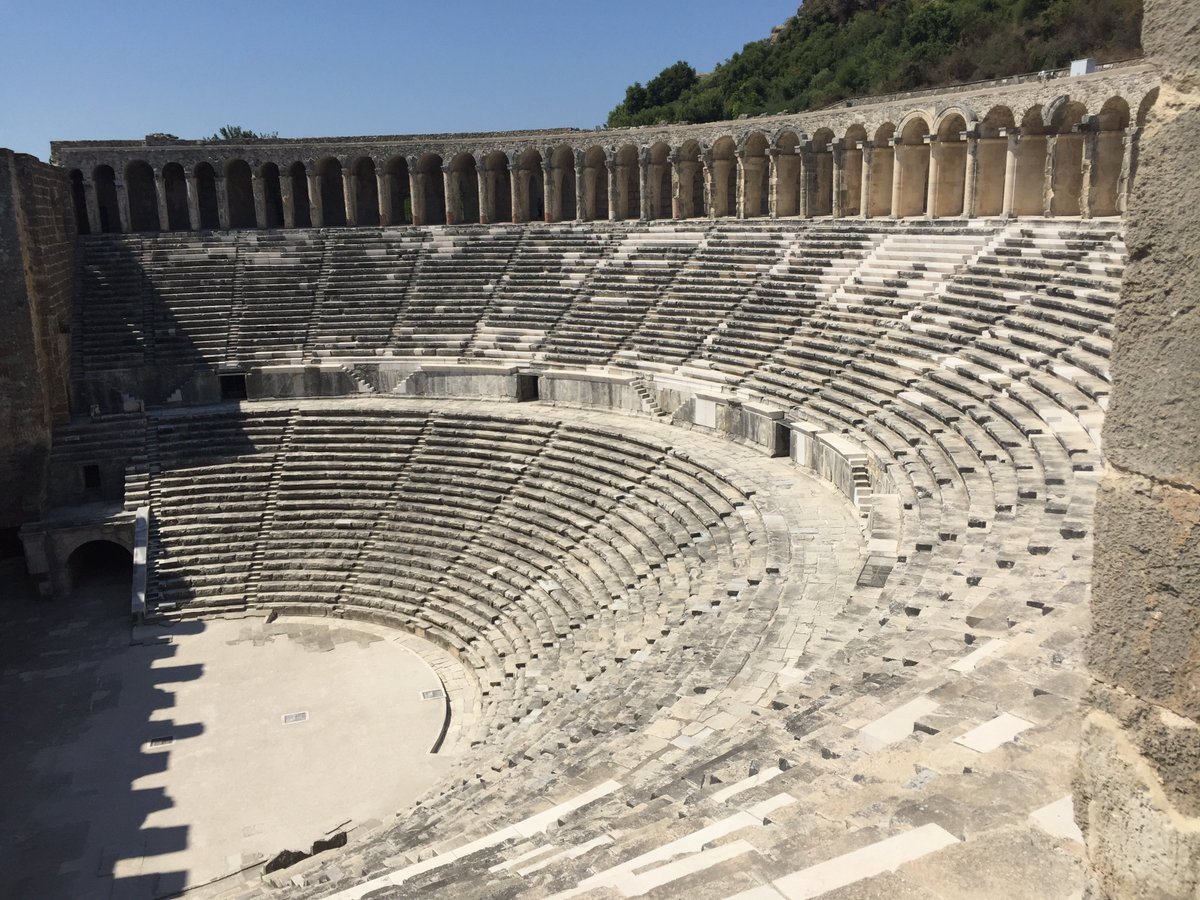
{"x": 437, "y": 694}
{"x": 293, "y": 718}
{"x": 162, "y": 741}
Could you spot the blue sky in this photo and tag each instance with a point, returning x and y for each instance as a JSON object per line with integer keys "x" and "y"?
{"x": 120, "y": 69}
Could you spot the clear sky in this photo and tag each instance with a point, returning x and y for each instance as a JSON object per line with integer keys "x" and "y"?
{"x": 74, "y": 70}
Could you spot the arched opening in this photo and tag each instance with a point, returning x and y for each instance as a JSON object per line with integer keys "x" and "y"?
{"x": 787, "y": 174}
{"x": 301, "y": 203}
{"x": 852, "y": 157}
{"x": 913, "y": 154}
{"x": 499, "y": 187}
{"x": 395, "y": 177}
{"x": 820, "y": 191}
{"x": 629, "y": 189}
{"x": 239, "y": 191}
{"x": 106, "y": 199}
{"x": 101, "y": 570}
{"x": 206, "y": 196}
{"x": 333, "y": 193}
{"x": 883, "y": 160}
{"x": 562, "y": 175}
{"x": 950, "y": 152}
{"x": 691, "y": 181}
{"x": 464, "y": 191}
{"x": 1066, "y": 178}
{"x": 175, "y": 186}
{"x": 1028, "y": 194}
{"x": 79, "y": 201}
{"x": 658, "y": 181}
{"x": 991, "y": 161}
{"x": 531, "y": 201}
{"x": 272, "y": 196}
{"x": 757, "y": 173}
{"x": 432, "y": 200}
{"x": 1108, "y": 157}
{"x": 143, "y": 197}
{"x": 366, "y": 192}
{"x": 595, "y": 184}
{"x": 724, "y": 178}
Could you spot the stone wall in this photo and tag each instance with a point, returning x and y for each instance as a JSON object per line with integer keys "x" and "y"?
{"x": 1138, "y": 791}
{"x": 37, "y": 255}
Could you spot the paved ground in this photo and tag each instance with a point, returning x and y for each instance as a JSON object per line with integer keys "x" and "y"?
{"x": 96, "y": 806}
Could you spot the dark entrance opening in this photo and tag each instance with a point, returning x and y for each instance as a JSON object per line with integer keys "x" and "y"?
{"x": 91, "y": 478}
{"x": 101, "y": 566}
{"x": 233, "y": 386}
{"x": 527, "y": 387}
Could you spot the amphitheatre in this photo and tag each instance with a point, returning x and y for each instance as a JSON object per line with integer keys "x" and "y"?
{"x": 683, "y": 510}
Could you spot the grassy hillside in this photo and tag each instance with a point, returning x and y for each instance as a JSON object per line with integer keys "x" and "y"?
{"x": 833, "y": 49}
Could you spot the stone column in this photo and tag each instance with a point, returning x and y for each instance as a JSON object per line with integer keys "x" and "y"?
{"x": 935, "y": 166}
{"x": 773, "y": 182}
{"x": 123, "y": 206}
{"x": 316, "y": 207}
{"x": 839, "y": 179}
{"x": 1013, "y": 138}
{"x": 1048, "y": 175}
{"x": 971, "y": 181}
{"x": 287, "y": 199}
{"x": 1128, "y": 168}
{"x": 1088, "y": 175}
{"x": 581, "y": 211}
{"x": 897, "y": 175}
{"x": 93, "y": 207}
{"x": 514, "y": 184}
{"x": 613, "y": 194}
{"x": 706, "y": 161}
{"x": 383, "y": 190}
{"x": 484, "y": 186}
{"x": 806, "y": 177}
{"x": 868, "y": 157}
{"x": 676, "y": 186}
{"x": 416, "y": 193}
{"x": 450, "y": 195}
{"x": 222, "y": 202}
{"x": 160, "y": 192}
{"x": 645, "y": 200}
{"x": 350, "y": 195}
{"x": 739, "y": 158}
{"x": 259, "y": 189}
{"x": 551, "y": 208}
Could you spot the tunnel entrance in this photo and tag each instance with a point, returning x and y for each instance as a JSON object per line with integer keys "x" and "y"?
{"x": 101, "y": 568}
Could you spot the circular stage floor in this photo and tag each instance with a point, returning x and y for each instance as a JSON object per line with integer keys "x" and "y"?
{"x": 137, "y": 764}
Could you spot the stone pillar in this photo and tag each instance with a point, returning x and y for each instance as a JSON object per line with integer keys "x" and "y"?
{"x": 123, "y": 205}
{"x": 93, "y": 206}
{"x": 416, "y": 193}
{"x": 868, "y": 156}
{"x": 1128, "y": 167}
{"x": 646, "y": 201}
{"x": 706, "y": 161}
{"x": 806, "y": 178}
{"x": 739, "y": 158}
{"x": 1089, "y": 164}
{"x": 1048, "y": 175}
{"x": 383, "y": 190}
{"x": 1013, "y": 137}
{"x": 613, "y": 194}
{"x": 350, "y": 195}
{"x": 971, "y": 181}
{"x": 839, "y": 178}
{"x": 551, "y": 208}
{"x": 287, "y": 199}
{"x": 450, "y": 195}
{"x": 160, "y": 193}
{"x": 581, "y": 211}
{"x": 316, "y": 206}
{"x": 676, "y": 186}
{"x": 935, "y": 166}
{"x": 514, "y": 184}
{"x": 484, "y": 187}
{"x": 259, "y": 189}
{"x": 222, "y": 202}
{"x": 897, "y": 175}
{"x": 773, "y": 182}
{"x": 1136, "y": 793}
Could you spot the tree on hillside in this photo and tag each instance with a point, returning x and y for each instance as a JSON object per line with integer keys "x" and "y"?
{"x": 238, "y": 133}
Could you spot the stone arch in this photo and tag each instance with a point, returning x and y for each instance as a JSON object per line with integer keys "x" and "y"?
{"x": 820, "y": 173}
{"x": 787, "y": 174}
{"x": 175, "y": 188}
{"x": 79, "y": 202}
{"x": 142, "y": 196}
{"x": 1066, "y": 171}
{"x": 992, "y": 160}
{"x": 429, "y": 207}
{"x": 691, "y": 181}
{"x": 723, "y": 201}
{"x": 910, "y": 190}
{"x": 333, "y": 192}
{"x": 528, "y": 193}
{"x": 595, "y": 184}
{"x": 628, "y": 182}
{"x": 463, "y": 190}
{"x": 98, "y": 556}
{"x": 301, "y": 202}
{"x": 562, "y": 184}
{"x": 1108, "y": 157}
{"x": 498, "y": 206}
{"x": 206, "y": 195}
{"x": 948, "y": 166}
{"x": 239, "y": 194}
{"x": 272, "y": 191}
{"x": 365, "y": 193}
{"x": 658, "y": 180}
{"x": 1029, "y": 190}
{"x": 852, "y": 157}
{"x": 756, "y": 176}
{"x": 883, "y": 156}
{"x": 395, "y": 178}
